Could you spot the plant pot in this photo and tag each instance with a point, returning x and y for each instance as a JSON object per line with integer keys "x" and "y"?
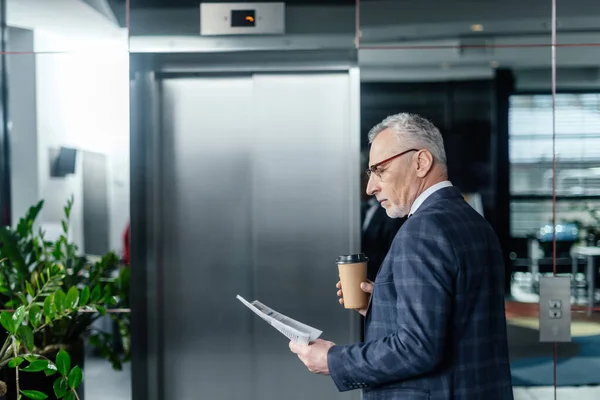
{"x": 38, "y": 380}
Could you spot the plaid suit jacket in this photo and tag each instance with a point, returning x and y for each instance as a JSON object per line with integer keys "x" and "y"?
{"x": 436, "y": 326}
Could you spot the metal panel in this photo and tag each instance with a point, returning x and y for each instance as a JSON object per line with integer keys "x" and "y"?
{"x": 207, "y": 239}
{"x": 252, "y": 61}
{"x": 5, "y": 172}
{"x": 301, "y": 207}
{"x": 146, "y": 194}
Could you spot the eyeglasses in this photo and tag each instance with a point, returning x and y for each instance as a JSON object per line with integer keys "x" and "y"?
{"x": 374, "y": 169}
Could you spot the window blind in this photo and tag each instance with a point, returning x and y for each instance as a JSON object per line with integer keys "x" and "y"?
{"x": 577, "y": 144}
{"x": 530, "y": 156}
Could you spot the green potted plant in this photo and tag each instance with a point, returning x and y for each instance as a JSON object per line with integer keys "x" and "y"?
{"x": 101, "y": 282}
{"x": 40, "y": 308}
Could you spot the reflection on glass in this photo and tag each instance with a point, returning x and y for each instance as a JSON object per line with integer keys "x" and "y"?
{"x": 577, "y": 184}
{"x": 576, "y": 179}
{"x": 65, "y": 258}
{"x": 412, "y": 23}
{"x": 577, "y": 144}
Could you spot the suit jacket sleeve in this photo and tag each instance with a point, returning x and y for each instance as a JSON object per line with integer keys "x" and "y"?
{"x": 419, "y": 306}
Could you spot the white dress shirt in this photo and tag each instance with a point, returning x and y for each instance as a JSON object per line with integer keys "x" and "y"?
{"x": 428, "y": 192}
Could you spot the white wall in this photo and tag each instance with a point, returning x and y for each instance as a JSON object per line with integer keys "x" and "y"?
{"x": 81, "y": 101}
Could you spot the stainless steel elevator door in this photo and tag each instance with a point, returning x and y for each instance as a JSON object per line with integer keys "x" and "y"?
{"x": 259, "y": 200}
{"x": 302, "y": 219}
{"x": 207, "y": 178}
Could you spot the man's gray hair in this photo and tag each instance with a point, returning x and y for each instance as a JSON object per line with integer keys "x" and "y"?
{"x": 414, "y": 131}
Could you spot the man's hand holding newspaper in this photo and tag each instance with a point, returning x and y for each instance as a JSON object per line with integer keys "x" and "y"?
{"x": 304, "y": 339}
{"x": 314, "y": 356}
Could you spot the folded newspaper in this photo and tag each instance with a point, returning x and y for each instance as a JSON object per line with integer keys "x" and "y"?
{"x": 294, "y": 330}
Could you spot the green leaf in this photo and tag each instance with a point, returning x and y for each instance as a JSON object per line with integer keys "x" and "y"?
{"x": 11, "y": 250}
{"x": 32, "y": 357}
{"x": 29, "y": 289}
{"x": 18, "y": 317}
{"x": 36, "y": 366}
{"x": 72, "y": 298}
{"x": 35, "y": 315}
{"x": 22, "y": 297}
{"x": 57, "y": 252}
{"x": 101, "y": 310}
{"x": 60, "y": 387}
{"x": 11, "y": 304}
{"x": 48, "y": 305}
{"x": 75, "y": 377}
{"x": 15, "y": 362}
{"x": 65, "y": 227}
{"x": 63, "y": 362}
{"x": 85, "y": 296}
{"x": 51, "y": 370}
{"x": 96, "y": 294}
{"x": 69, "y": 206}
{"x": 107, "y": 294}
{"x": 69, "y": 396}
{"x": 59, "y": 301}
{"x": 7, "y": 321}
{"x": 34, "y": 394}
{"x": 26, "y": 336}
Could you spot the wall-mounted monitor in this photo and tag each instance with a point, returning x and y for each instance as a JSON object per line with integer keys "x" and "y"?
{"x": 62, "y": 162}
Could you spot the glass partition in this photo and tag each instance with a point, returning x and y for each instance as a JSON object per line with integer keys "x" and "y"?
{"x": 64, "y": 256}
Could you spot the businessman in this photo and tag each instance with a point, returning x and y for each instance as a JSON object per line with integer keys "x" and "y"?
{"x": 435, "y": 326}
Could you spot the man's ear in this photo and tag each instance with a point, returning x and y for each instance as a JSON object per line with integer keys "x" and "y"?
{"x": 424, "y": 163}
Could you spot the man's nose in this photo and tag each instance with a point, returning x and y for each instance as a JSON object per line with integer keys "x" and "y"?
{"x": 372, "y": 186}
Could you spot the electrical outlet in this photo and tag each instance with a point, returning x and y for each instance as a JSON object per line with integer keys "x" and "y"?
{"x": 555, "y": 313}
{"x": 555, "y": 303}
{"x": 555, "y": 309}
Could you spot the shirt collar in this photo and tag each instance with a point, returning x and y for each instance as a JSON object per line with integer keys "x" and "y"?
{"x": 426, "y": 193}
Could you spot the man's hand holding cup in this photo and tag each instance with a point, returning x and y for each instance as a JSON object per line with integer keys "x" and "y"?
{"x": 354, "y": 288}
{"x": 366, "y": 287}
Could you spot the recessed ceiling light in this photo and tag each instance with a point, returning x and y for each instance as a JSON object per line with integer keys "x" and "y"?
{"x": 477, "y": 28}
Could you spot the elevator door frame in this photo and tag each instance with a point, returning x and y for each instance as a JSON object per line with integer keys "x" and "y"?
{"x": 146, "y": 72}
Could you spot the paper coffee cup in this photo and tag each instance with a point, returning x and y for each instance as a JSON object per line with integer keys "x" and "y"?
{"x": 353, "y": 271}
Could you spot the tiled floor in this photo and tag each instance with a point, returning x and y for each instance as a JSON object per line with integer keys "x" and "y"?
{"x": 101, "y": 383}
{"x": 567, "y": 393}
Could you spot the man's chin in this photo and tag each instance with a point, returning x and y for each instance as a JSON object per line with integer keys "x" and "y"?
{"x": 394, "y": 212}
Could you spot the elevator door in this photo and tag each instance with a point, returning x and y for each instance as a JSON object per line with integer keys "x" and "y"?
{"x": 260, "y": 179}
{"x": 207, "y": 241}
